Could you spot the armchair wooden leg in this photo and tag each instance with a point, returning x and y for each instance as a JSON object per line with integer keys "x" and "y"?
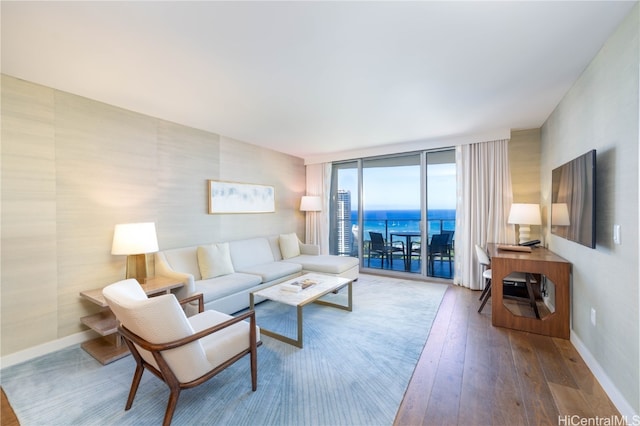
{"x": 254, "y": 370}
{"x": 134, "y": 385}
{"x": 253, "y": 352}
{"x": 171, "y": 406}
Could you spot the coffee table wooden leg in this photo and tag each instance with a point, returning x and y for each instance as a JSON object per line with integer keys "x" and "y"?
{"x": 300, "y": 324}
{"x": 347, "y": 307}
{"x": 295, "y": 342}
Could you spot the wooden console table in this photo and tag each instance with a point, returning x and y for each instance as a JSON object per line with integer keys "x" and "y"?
{"x": 540, "y": 261}
{"x": 109, "y": 346}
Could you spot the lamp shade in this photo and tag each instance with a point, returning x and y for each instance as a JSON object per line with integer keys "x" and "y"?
{"x": 525, "y": 214}
{"x": 311, "y": 203}
{"x": 560, "y": 214}
{"x": 134, "y": 238}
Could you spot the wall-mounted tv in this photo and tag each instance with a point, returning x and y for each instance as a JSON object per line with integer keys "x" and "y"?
{"x": 573, "y": 200}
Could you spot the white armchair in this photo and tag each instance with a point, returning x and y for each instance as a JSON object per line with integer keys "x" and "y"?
{"x": 183, "y": 352}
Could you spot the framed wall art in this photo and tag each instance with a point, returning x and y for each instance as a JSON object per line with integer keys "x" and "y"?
{"x": 234, "y": 197}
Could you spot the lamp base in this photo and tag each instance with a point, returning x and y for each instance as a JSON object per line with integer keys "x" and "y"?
{"x": 525, "y": 233}
{"x": 139, "y": 270}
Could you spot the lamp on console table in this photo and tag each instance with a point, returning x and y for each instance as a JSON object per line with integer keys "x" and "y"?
{"x": 312, "y": 204}
{"x": 135, "y": 240}
{"x": 525, "y": 215}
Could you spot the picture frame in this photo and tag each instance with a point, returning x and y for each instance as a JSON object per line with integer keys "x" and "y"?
{"x": 236, "y": 197}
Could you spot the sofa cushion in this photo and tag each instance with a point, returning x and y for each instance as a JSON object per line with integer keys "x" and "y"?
{"x": 325, "y": 263}
{"x": 214, "y": 260}
{"x": 274, "y": 243}
{"x": 289, "y": 246}
{"x": 273, "y": 270}
{"x": 253, "y": 251}
{"x": 216, "y": 288}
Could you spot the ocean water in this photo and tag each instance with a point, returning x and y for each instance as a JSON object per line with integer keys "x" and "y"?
{"x": 388, "y": 221}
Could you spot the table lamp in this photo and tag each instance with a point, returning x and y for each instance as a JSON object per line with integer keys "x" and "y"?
{"x": 525, "y": 215}
{"x": 135, "y": 240}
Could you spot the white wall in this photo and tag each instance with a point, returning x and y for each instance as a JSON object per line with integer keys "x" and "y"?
{"x": 72, "y": 168}
{"x": 601, "y": 112}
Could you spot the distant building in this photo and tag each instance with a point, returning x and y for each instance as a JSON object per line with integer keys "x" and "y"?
{"x": 344, "y": 238}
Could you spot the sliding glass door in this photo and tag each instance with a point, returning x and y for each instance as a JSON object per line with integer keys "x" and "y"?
{"x": 391, "y": 212}
{"x": 344, "y": 235}
{"x": 379, "y": 208}
{"x": 441, "y": 213}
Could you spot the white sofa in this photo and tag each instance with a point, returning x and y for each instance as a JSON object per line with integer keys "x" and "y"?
{"x": 225, "y": 273}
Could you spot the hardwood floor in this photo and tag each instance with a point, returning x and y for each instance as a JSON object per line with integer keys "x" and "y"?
{"x": 471, "y": 373}
{"x": 7, "y": 416}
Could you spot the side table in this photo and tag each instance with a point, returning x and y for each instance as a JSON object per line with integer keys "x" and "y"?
{"x": 109, "y": 346}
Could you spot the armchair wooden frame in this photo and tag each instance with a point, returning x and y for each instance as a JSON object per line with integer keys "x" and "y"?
{"x": 166, "y": 374}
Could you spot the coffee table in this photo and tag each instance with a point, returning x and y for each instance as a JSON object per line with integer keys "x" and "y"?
{"x": 324, "y": 284}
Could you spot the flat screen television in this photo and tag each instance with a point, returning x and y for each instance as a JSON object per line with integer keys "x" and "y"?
{"x": 573, "y": 200}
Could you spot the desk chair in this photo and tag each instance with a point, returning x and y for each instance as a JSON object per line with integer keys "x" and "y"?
{"x": 513, "y": 279}
{"x": 386, "y": 251}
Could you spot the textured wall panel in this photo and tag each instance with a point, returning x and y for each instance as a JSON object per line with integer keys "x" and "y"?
{"x": 187, "y": 158}
{"x": 29, "y": 257}
{"x": 246, "y": 163}
{"x": 106, "y": 174}
{"x": 524, "y": 162}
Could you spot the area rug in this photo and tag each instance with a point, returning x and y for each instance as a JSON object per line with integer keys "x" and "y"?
{"x": 353, "y": 370}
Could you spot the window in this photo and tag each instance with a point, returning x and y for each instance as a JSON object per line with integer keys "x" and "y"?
{"x": 392, "y": 197}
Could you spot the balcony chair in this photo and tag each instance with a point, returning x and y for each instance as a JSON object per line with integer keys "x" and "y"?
{"x": 439, "y": 247}
{"x": 416, "y": 250}
{"x": 510, "y": 283}
{"x": 182, "y": 352}
{"x": 379, "y": 246}
{"x": 451, "y": 239}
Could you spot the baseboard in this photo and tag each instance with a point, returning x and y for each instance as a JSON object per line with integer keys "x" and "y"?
{"x": 623, "y": 406}
{"x": 45, "y": 348}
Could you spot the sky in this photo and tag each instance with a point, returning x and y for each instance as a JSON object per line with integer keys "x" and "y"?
{"x": 398, "y": 188}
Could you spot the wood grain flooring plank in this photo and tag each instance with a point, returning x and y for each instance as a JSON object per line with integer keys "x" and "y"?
{"x": 443, "y": 405}
{"x": 476, "y": 404}
{"x": 507, "y": 395}
{"x": 7, "y": 415}
{"x": 538, "y": 401}
{"x": 570, "y": 401}
{"x": 592, "y": 391}
{"x": 413, "y": 408}
{"x": 553, "y": 365}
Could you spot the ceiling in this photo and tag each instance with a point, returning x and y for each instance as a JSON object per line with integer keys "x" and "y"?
{"x": 314, "y": 78}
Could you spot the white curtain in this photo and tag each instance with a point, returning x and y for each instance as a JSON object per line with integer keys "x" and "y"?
{"x": 484, "y": 200}
{"x": 317, "y": 223}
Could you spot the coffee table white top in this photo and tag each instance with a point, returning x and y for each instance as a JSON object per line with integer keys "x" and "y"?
{"x": 324, "y": 284}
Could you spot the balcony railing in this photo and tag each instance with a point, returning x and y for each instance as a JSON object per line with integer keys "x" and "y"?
{"x": 410, "y": 260}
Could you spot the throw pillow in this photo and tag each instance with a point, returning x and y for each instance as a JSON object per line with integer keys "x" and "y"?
{"x": 214, "y": 260}
{"x": 289, "y": 245}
